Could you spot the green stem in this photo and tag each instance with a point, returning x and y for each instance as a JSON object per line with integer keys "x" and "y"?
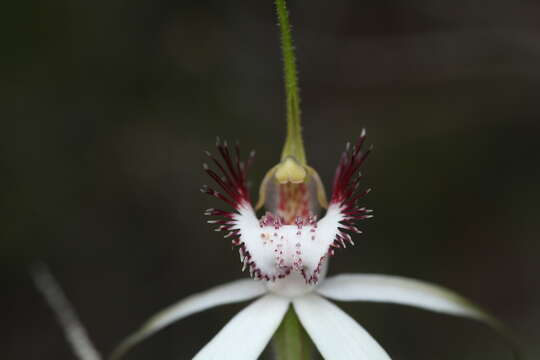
{"x": 291, "y": 341}
{"x": 294, "y": 145}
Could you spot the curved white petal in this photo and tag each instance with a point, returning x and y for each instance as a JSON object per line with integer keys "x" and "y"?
{"x": 336, "y": 334}
{"x": 236, "y": 291}
{"x": 246, "y": 335}
{"x": 399, "y": 290}
{"x": 272, "y": 249}
{"x": 257, "y": 246}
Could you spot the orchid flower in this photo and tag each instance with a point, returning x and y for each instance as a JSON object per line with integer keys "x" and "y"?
{"x": 286, "y": 252}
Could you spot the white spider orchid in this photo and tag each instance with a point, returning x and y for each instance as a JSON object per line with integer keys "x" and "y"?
{"x": 286, "y": 252}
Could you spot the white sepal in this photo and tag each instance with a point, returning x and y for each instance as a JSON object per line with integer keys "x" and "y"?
{"x": 336, "y": 334}
{"x": 399, "y": 290}
{"x": 248, "y": 333}
{"x": 236, "y": 291}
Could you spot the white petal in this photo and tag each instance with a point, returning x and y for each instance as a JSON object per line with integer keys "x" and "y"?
{"x": 398, "y": 290}
{"x": 336, "y": 334}
{"x": 257, "y": 245}
{"x": 273, "y": 250}
{"x": 246, "y": 335}
{"x": 232, "y": 292}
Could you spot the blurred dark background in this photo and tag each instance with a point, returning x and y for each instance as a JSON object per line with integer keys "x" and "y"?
{"x": 109, "y": 105}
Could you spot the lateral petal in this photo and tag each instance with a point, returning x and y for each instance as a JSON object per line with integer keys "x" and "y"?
{"x": 400, "y": 290}
{"x": 236, "y": 291}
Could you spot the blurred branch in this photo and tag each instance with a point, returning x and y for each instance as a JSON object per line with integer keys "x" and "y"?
{"x": 74, "y": 331}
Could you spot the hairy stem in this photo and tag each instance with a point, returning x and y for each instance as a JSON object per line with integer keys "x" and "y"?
{"x": 294, "y": 145}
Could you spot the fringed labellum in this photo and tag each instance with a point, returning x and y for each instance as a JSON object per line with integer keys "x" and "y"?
{"x": 289, "y": 238}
